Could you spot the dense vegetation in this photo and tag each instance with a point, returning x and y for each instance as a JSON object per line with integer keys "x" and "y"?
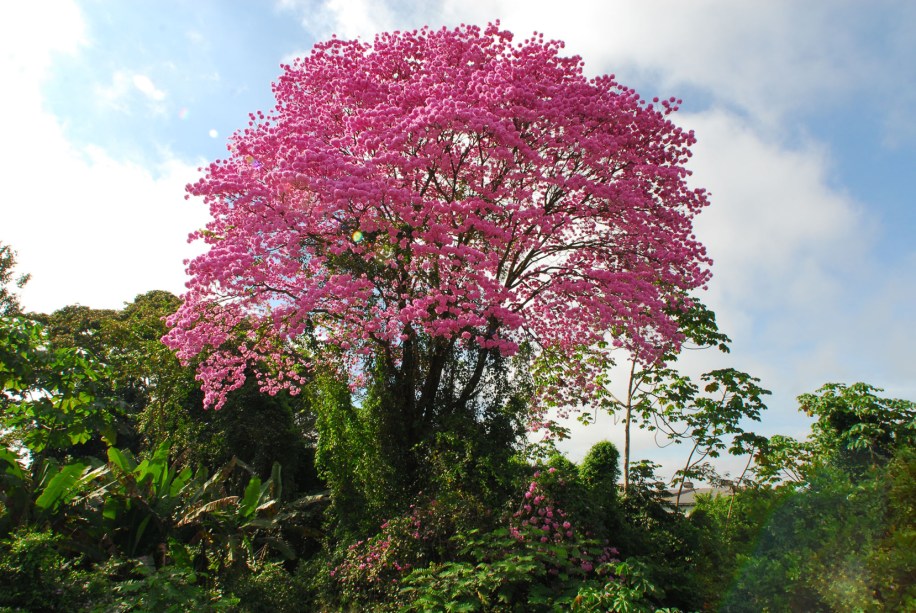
{"x": 121, "y": 493}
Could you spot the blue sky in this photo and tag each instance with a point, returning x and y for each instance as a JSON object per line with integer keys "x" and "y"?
{"x": 803, "y": 111}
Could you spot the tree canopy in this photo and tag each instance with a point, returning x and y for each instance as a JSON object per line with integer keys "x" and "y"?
{"x": 431, "y": 202}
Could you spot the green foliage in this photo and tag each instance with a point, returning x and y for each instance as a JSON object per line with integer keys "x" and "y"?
{"x": 172, "y": 588}
{"x": 35, "y": 575}
{"x": 599, "y": 472}
{"x": 476, "y": 459}
{"x": 841, "y": 543}
{"x": 810, "y": 526}
{"x": 498, "y": 571}
{"x": 98, "y": 514}
{"x": 48, "y": 400}
{"x": 838, "y": 534}
{"x": 728, "y": 530}
{"x": 269, "y": 588}
{"x": 600, "y": 468}
{"x": 893, "y": 559}
{"x": 257, "y": 429}
{"x": 855, "y": 428}
{"x": 782, "y": 459}
{"x": 664, "y": 540}
{"x": 627, "y": 590}
{"x": 153, "y": 501}
{"x": 153, "y": 398}
{"x": 349, "y": 460}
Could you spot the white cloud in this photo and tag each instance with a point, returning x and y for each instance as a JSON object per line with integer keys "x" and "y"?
{"x": 90, "y": 228}
{"x": 114, "y": 95}
{"x": 777, "y": 232}
{"x": 30, "y": 35}
{"x": 120, "y": 94}
{"x": 764, "y": 58}
{"x": 350, "y": 19}
{"x": 145, "y": 85}
{"x": 360, "y": 17}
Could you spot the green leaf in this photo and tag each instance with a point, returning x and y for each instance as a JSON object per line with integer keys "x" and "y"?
{"x": 11, "y": 460}
{"x": 249, "y": 503}
{"x": 61, "y": 486}
{"x": 180, "y": 481}
{"x": 110, "y": 509}
{"x": 119, "y": 459}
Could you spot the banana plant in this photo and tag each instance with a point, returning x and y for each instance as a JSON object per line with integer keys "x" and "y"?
{"x": 149, "y": 502}
{"x": 45, "y": 492}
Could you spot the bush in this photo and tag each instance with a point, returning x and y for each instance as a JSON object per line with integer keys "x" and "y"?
{"x": 269, "y": 589}
{"x": 36, "y": 576}
{"x": 626, "y": 589}
{"x": 536, "y": 561}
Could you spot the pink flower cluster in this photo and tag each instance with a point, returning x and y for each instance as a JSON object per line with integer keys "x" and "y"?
{"x": 538, "y": 512}
{"x": 449, "y": 184}
{"x": 540, "y": 519}
{"x": 383, "y": 558}
{"x": 370, "y": 559}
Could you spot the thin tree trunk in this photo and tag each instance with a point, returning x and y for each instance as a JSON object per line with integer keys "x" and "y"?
{"x": 677, "y": 501}
{"x": 626, "y": 450}
{"x": 731, "y": 502}
{"x": 626, "y": 428}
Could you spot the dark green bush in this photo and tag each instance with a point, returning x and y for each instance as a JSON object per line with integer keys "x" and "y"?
{"x": 36, "y": 576}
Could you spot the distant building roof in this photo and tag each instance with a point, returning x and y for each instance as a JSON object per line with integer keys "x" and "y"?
{"x": 689, "y": 495}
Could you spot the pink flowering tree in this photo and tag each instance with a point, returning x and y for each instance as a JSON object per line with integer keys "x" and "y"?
{"x": 423, "y": 206}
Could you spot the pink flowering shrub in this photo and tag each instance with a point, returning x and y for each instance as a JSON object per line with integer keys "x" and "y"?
{"x": 539, "y": 519}
{"x": 540, "y": 560}
{"x": 536, "y": 551}
{"x": 371, "y": 569}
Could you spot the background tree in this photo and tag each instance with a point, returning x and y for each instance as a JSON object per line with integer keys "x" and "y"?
{"x": 835, "y": 532}
{"x": 711, "y": 419}
{"x": 153, "y": 399}
{"x": 48, "y": 401}
{"x": 856, "y": 428}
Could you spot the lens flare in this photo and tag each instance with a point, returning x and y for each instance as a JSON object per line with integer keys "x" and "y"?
{"x": 357, "y": 237}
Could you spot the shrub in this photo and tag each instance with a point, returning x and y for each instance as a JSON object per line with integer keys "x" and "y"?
{"x": 36, "y": 576}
